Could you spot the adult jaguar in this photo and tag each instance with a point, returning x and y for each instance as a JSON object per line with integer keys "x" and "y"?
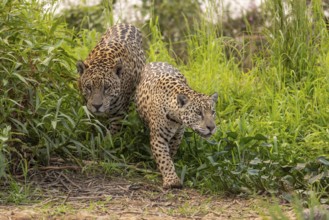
{"x": 167, "y": 105}
{"x": 111, "y": 72}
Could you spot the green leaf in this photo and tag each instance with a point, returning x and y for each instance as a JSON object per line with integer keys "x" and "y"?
{"x": 236, "y": 172}
{"x": 183, "y": 173}
{"x": 3, "y": 165}
{"x": 212, "y": 142}
{"x": 54, "y": 26}
{"x": 50, "y": 49}
{"x": 73, "y": 124}
{"x": 255, "y": 161}
{"x": 21, "y": 78}
{"x": 202, "y": 167}
{"x": 323, "y": 160}
{"x": 188, "y": 134}
{"x": 266, "y": 145}
{"x": 54, "y": 122}
{"x": 315, "y": 178}
{"x": 253, "y": 172}
{"x": 260, "y": 137}
{"x": 212, "y": 161}
{"x": 324, "y": 200}
{"x": 28, "y": 43}
{"x": 300, "y": 166}
{"x": 246, "y": 140}
{"x": 231, "y": 134}
{"x": 46, "y": 61}
{"x": 3, "y": 138}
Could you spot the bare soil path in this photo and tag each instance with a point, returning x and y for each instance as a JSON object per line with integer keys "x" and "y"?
{"x": 59, "y": 194}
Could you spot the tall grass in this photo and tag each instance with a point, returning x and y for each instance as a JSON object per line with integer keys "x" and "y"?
{"x": 41, "y": 114}
{"x": 272, "y": 121}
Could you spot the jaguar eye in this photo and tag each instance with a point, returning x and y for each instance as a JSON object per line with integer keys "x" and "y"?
{"x": 106, "y": 88}
{"x": 199, "y": 113}
{"x": 88, "y": 87}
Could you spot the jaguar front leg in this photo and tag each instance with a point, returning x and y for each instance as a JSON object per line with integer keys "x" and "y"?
{"x": 115, "y": 124}
{"x": 161, "y": 152}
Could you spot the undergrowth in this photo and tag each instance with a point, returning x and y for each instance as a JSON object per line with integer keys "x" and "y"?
{"x": 272, "y": 135}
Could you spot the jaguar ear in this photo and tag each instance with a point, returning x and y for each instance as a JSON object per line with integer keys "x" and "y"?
{"x": 81, "y": 67}
{"x": 214, "y": 97}
{"x": 182, "y": 100}
{"x": 119, "y": 68}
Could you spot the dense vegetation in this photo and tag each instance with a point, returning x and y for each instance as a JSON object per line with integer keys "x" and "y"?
{"x": 273, "y": 133}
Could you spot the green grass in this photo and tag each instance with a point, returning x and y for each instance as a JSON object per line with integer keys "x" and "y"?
{"x": 272, "y": 121}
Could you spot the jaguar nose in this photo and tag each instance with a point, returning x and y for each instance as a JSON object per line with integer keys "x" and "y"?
{"x": 97, "y": 106}
{"x": 211, "y": 127}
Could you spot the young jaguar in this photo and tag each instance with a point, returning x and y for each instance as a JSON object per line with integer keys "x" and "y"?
{"x": 167, "y": 105}
{"x": 111, "y": 72}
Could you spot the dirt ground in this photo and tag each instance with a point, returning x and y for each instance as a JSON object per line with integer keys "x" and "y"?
{"x": 59, "y": 194}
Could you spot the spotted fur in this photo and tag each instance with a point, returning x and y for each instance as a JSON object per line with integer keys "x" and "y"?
{"x": 167, "y": 105}
{"x": 109, "y": 75}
